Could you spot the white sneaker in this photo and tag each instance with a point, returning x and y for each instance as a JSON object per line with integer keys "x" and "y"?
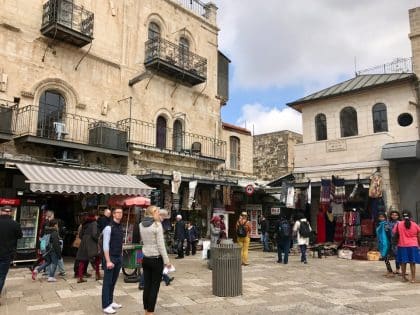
{"x": 109, "y": 310}
{"x": 51, "y": 279}
{"x": 116, "y": 305}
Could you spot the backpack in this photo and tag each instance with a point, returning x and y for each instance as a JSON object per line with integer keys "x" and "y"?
{"x": 44, "y": 244}
{"x": 304, "y": 229}
{"x": 241, "y": 230}
{"x": 101, "y": 241}
{"x": 284, "y": 229}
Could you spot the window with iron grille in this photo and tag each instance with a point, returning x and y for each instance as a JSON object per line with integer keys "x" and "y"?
{"x": 321, "y": 127}
{"x": 348, "y": 122}
{"x": 234, "y": 152}
{"x": 379, "y": 116}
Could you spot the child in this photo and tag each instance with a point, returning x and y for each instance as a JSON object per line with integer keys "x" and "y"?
{"x": 383, "y": 234}
{"x": 393, "y": 220}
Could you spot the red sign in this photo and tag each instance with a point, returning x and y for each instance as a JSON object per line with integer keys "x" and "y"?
{"x": 249, "y": 190}
{"x": 9, "y": 202}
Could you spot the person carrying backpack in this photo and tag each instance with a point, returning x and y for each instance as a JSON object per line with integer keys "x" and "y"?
{"x": 243, "y": 230}
{"x": 303, "y": 230}
{"x": 51, "y": 250}
{"x": 283, "y": 235}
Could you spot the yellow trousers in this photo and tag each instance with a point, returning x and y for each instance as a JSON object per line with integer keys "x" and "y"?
{"x": 244, "y": 243}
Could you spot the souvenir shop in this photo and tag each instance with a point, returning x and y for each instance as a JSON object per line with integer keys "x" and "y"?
{"x": 342, "y": 212}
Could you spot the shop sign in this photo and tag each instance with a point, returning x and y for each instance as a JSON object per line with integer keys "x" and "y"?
{"x": 275, "y": 211}
{"x": 9, "y": 202}
{"x": 336, "y": 145}
{"x": 249, "y": 190}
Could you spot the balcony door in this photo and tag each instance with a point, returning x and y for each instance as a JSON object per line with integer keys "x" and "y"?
{"x": 161, "y": 133}
{"x": 51, "y": 110}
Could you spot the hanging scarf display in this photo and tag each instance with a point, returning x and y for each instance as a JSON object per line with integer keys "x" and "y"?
{"x": 325, "y": 191}
{"x": 309, "y": 194}
{"x": 340, "y": 190}
{"x": 375, "y": 187}
{"x": 290, "y": 200}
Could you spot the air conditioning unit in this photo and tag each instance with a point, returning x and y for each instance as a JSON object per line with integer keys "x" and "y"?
{"x": 68, "y": 157}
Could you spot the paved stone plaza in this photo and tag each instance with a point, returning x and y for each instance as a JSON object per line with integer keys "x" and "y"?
{"x": 323, "y": 286}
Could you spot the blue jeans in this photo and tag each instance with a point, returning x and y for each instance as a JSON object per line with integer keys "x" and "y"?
{"x": 50, "y": 261}
{"x": 303, "y": 252}
{"x": 264, "y": 240}
{"x": 109, "y": 281}
{"x": 4, "y": 269}
{"x": 283, "y": 247}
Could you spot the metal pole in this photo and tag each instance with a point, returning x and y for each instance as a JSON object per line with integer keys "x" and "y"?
{"x": 129, "y": 126}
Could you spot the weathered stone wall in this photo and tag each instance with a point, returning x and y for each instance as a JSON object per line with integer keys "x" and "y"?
{"x": 274, "y": 154}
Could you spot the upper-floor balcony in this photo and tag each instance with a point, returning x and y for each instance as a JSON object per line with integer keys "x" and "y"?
{"x": 196, "y": 6}
{"x": 51, "y": 126}
{"x": 66, "y": 21}
{"x": 175, "y": 61}
{"x": 6, "y": 114}
{"x": 152, "y": 137}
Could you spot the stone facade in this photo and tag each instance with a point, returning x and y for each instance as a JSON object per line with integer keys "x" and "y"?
{"x": 94, "y": 82}
{"x": 274, "y": 154}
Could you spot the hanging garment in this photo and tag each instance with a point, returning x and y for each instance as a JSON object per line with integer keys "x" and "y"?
{"x": 338, "y": 233}
{"x": 325, "y": 191}
{"x": 337, "y": 209}
{"x": 176, "y": 181}
{"x": 309, "y": 194}
{"x": 375, "y": 188}
{"x": 320, "y": 228}
{"x": 383, "y": 239}
{"x": 290, "y": 200}
{"x": 340, "y": 190}
{"x": 329, "y": 226}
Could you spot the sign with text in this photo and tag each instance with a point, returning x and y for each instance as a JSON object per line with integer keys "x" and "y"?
{"x": 336, "y": 145}
{"x": 275, "y": 211}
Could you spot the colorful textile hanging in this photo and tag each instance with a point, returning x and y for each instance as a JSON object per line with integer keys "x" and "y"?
{"x": 325, "y": 191}
{"x": 340, "y": 190}
{"x": 375, "y": 188}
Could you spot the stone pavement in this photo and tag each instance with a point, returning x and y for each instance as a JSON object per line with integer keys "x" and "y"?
{"x": 323, "y": 286}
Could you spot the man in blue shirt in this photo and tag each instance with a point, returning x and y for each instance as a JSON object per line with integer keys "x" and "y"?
{"x": 113, "y": 237}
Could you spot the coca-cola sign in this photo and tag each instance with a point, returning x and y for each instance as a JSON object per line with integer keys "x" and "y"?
{"x": 9, "y": 202}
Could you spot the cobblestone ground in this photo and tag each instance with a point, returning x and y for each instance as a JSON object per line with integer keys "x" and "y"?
{"x": 323, "y": 286}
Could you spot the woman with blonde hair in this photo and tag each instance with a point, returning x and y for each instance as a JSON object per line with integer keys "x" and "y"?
{"x": 155, "y": 257}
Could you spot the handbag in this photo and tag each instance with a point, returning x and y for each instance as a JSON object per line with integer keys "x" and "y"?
{"x": 76, "y": 242}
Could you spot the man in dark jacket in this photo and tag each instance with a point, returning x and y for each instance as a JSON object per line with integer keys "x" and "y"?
{"x": 180, "y": 236}
{"x": 283, "y": 232}
{"x": 264, "y": 233}
{"x": 10, "y": 232}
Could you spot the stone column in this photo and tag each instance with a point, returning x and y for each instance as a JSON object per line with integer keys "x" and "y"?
{"x": 211, "y": 12}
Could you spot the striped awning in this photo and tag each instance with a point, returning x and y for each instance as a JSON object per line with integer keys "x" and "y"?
{"x": 56, "y": 179}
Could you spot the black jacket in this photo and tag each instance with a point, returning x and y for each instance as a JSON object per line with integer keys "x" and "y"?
{"x": 103, "y": 221}
{"x": 54, "y": 240}
{"x": 265, "y": 226}
{"x": 10, "y": 232}
{"x": 180, "y": 233}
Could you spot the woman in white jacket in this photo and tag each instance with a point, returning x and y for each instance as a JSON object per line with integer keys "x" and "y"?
{"x": 301, "y": 229}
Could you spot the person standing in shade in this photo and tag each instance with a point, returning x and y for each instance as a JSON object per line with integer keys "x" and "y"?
{"x": 155, "y": 257}
{"x": 243, "y": 232}
{"x": 180, "y": 236}
{"x": 283, "y": 236}
{"x": 113, "y": 237}
{"x": 302, "y": 229}
{"x": 264, "y": 233}
{"x": 10, "y": 232}
{"x": 394, "y": 218}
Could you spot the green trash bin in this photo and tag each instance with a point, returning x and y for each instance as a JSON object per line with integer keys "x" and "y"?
{"x": 226, "y": 270}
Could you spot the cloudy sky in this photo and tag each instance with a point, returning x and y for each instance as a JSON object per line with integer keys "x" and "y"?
{"x": 283, "y": 50}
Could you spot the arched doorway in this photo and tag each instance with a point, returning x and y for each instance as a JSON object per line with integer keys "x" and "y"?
{"x": 161, "y": 133}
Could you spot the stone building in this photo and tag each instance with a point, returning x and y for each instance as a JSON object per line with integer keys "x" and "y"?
{"x": 274, "y": 154}
{"x": 133, "y": 87}
{"x": 365, "y": 125}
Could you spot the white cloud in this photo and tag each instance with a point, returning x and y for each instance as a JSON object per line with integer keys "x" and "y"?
{"x": 278, "y": 43}
{"x": 262, "y": 119}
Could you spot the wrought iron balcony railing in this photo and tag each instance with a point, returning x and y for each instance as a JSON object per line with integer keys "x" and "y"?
{"x": 175, "y": 61}
{"x": 398, "y": 65}
{"x": 196, "y": 6}
{"x": 55, "y": 125}
{"x": 64, "y": 20}
{"x": 153, "y": 137}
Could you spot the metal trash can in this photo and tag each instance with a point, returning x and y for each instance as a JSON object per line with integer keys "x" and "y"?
{"x": 227, "y": 270}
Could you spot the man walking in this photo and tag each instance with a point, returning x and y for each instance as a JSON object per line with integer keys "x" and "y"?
{"x": 10, "y": 232}
{"x": 113, "y": 237}
{"x": 264, "y": 233}
{"x": 180, "y": 236}
{"x": 283, "y": 236}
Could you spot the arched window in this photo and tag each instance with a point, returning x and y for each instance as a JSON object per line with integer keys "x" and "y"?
{"x": 153, "y": 31}
{"x": 184, "y": 48}
{"x": 177, "y": 136}
{"x": 321, "y": 127}
{"x": 380, "y": 120}
{"x": 161, "y": 133}
{"x": 51, "y": 115}
{"x": 234, "y": 152}
{"x": 348, "y": 122}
